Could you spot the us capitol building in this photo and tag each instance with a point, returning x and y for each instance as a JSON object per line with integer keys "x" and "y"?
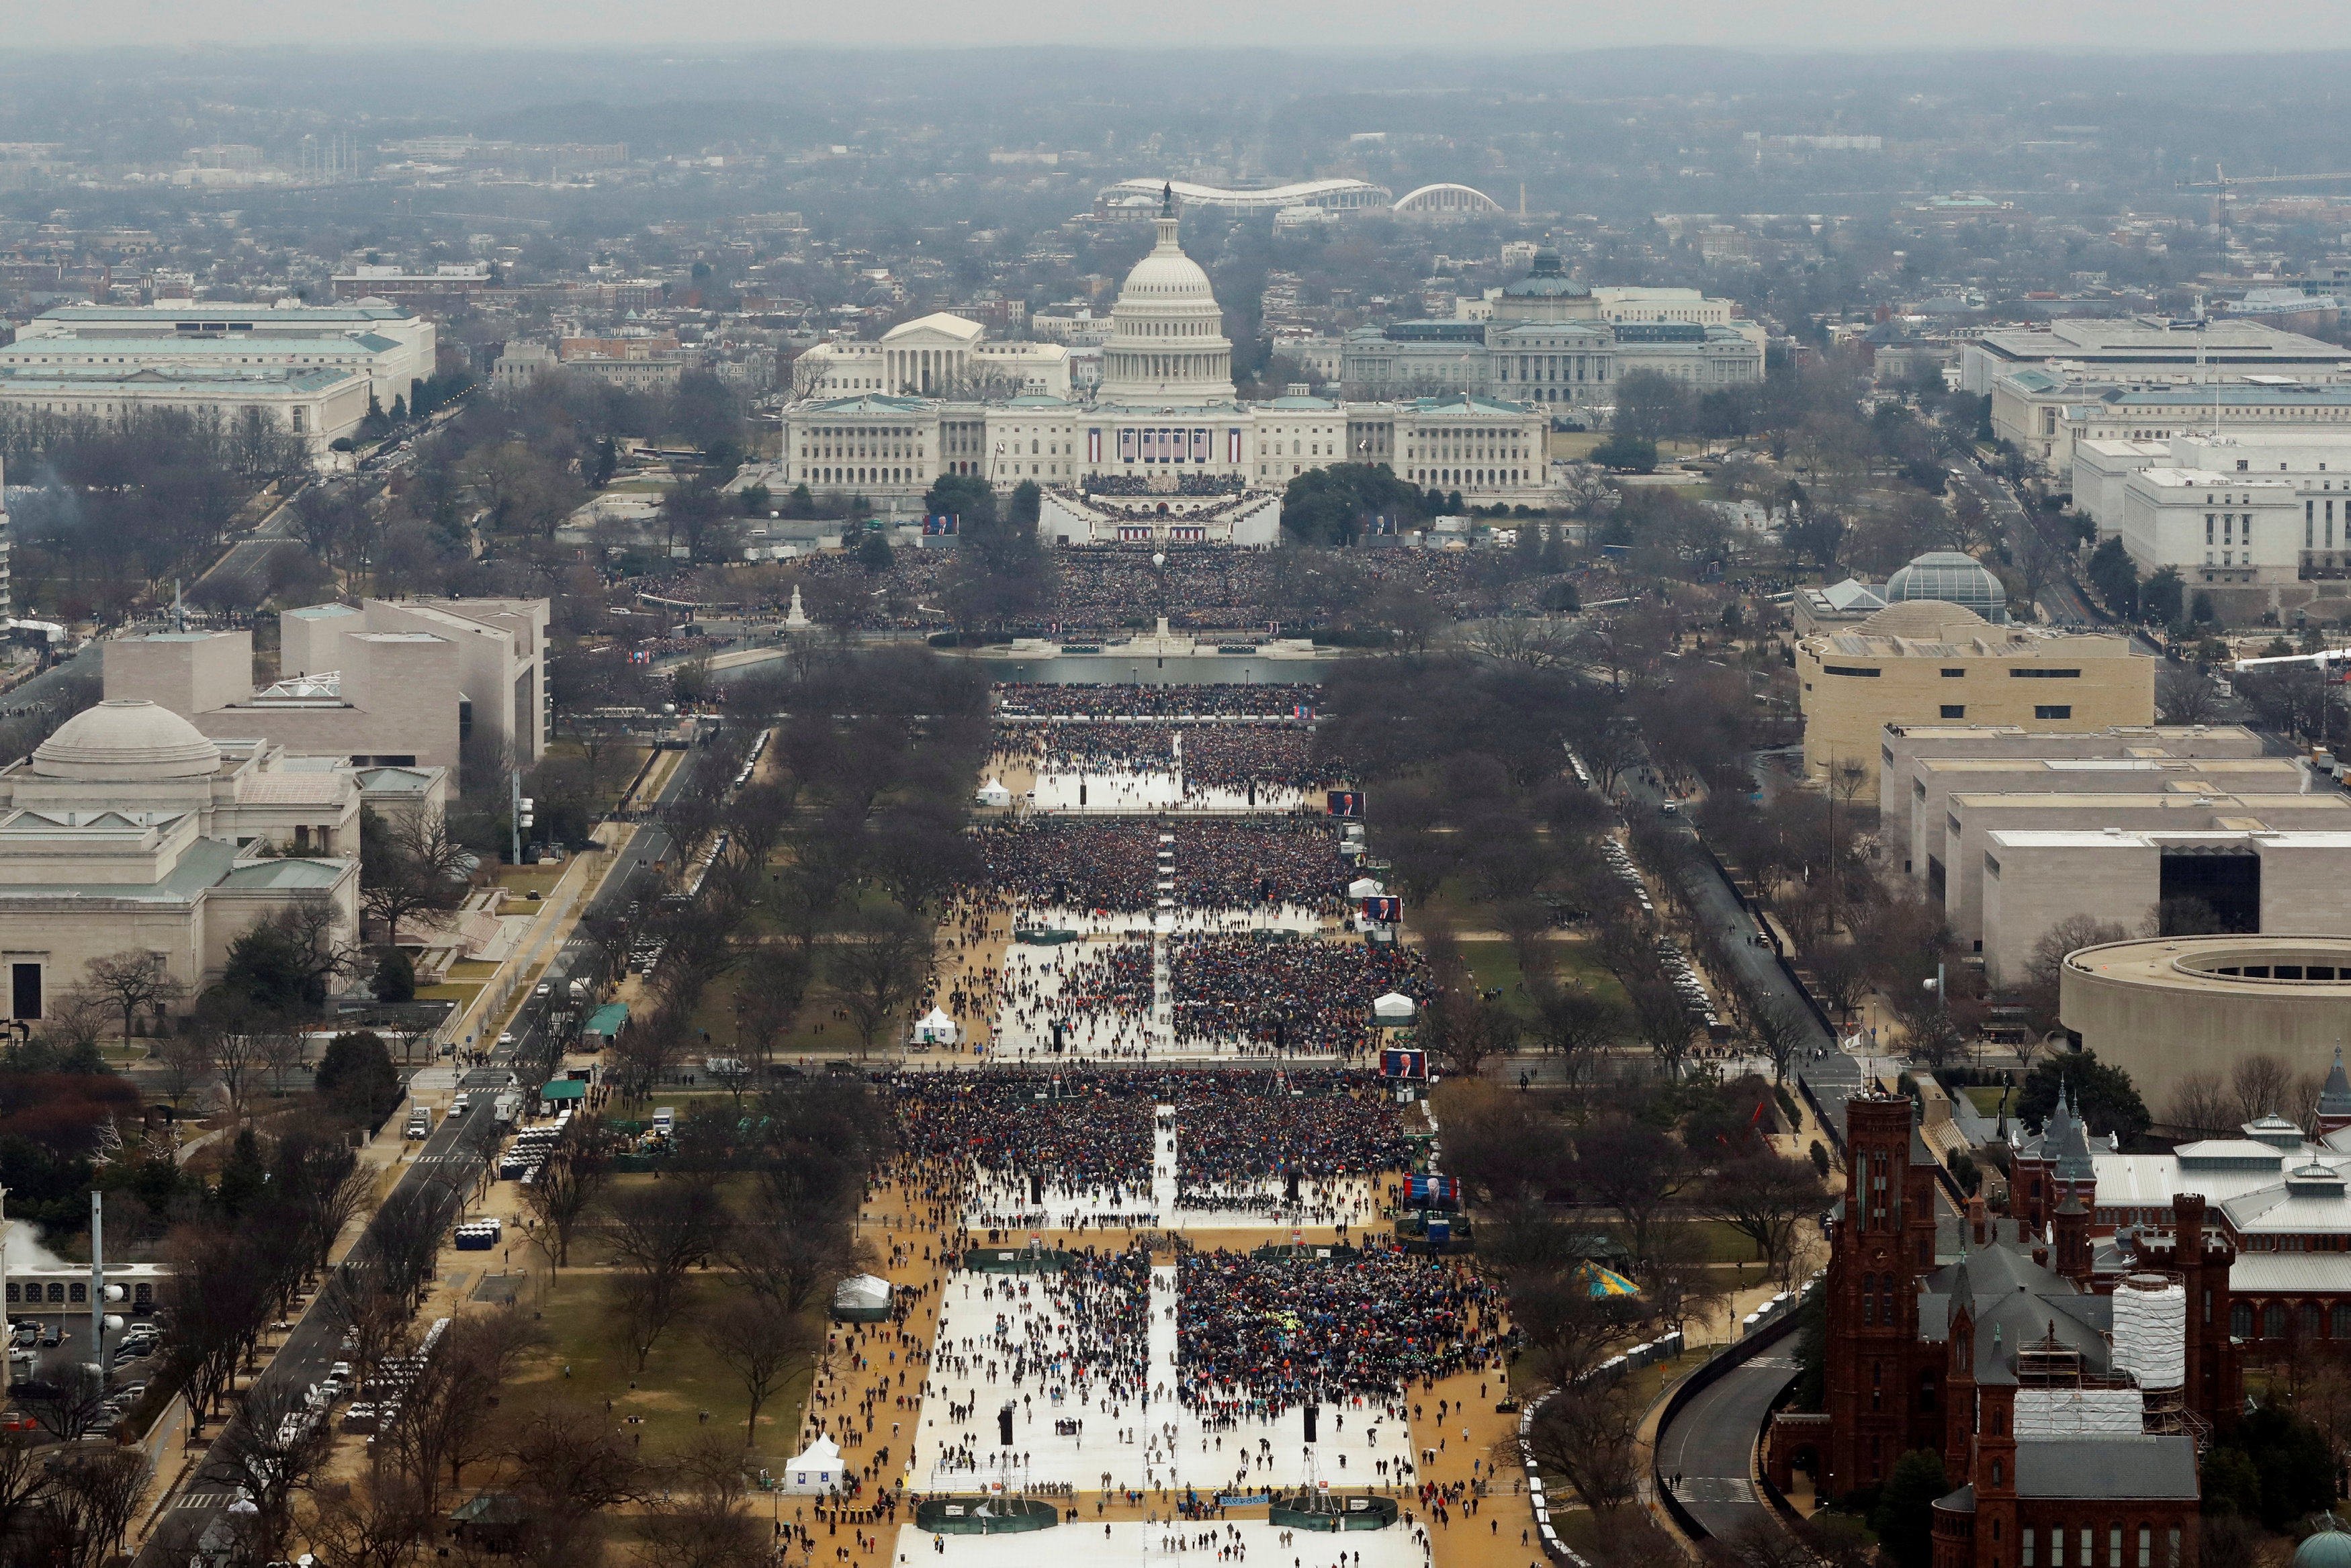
{"x": 1163, "y": 453}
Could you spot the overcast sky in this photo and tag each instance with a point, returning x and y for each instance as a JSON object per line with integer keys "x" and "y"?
{"x": 2126, "y": 25}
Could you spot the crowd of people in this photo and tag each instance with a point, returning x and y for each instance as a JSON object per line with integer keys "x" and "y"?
{"x": 1078, "y": 1332}
{"x": 1077, "y": 1131}
{"x": 1208, "y": 756}
{"x": 1197, "y": 588}
{"x": 1114, "y": 867}
{"x": 1258, "y": 1334}
{"x": 1242, "y": 1129}
{"x": 1294, "y": 996}
{"x": 1098, "y": 1001}
{"x": 1226, "y": 700}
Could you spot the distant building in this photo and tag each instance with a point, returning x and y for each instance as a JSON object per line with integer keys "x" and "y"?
{"x": 2048, "y": 413}
{"x": 318, "y": 407}
{"x": 2258, "y": 506}
{"x": 397, "y": 684}
{"x": 128, "y": 829}
{"x": 1926, "y": 662}
{"x": 1163, "y": 423}
{"x": 449, "y": 283}
{"x": 940, "y": 355}
{"x": 393, "y": 346}
{"x": 1141, "y": 197}
{"x": 2165, "y": 1008}
{"x": 1547, "y": 338}
{"x": 2063, "y": 1387}
{"x": 2137, "y": 347}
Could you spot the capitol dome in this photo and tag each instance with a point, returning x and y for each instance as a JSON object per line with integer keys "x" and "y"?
{"x": 126, "y": 742}
{"x": 1954, "y": 579}
{"x": 1167, "y": 346}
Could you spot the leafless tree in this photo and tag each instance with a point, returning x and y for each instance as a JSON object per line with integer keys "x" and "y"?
{"x": 408, "y": 1231}
{"x": 1536, "y": 642}
{"x": 568, "y": 1185}
{"x": 2200, "y": 1102}
{"x": 761, "y": 1343}
{"x": 446, "y": 1417}
{"x": 77, "y": 1020}
{"x": 274, "y": 1446}
{"x": 237, "y": 1057}
{"x": 2260, "y": 1084}
{"x": 379, "y": 1520}
{"x": 878, "y": 973}
{"x": 186, "y": 1064}
{"x": 74, "y": 1395}
{"x": 133, "y": 981}
{"x": 414, "y": 866}
{"x": 94, "y": 1493}
{"x": 2185, "y": 694}
{"x": 571, "y": 1466}
{"x": 656, "y": 1234}
{"x": 1589, "y": 1434}
{"x": 282, "y": 1056}
{"x": 1765, "y": 1197}
{"x": 1573, "y": 1023}
{"x": 1679, "y": 1282}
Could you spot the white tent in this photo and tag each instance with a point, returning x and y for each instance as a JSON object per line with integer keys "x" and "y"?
{"x": 862, "y": 1298}
{"x": 994, "y": 793}
{"x": 935, "y": 1028}
{"x": 1366, "y": 888}
{"x": 1395, "y": 1007}
{"x": 815, "y": 1471}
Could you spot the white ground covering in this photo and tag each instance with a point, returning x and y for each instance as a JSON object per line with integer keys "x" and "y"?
{"x": 1138, "y": 1545}
{"x": 1025, "y": 1031}
{"x": 1074, "y": 791}
{"x": 995, "y": 1201}
{"x": 1139, "y": 1446}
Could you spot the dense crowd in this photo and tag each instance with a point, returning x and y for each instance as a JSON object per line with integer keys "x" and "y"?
{"x": 1257, "y": 1333}
{"x": 1199, "y": 588}
{"x": 1114, "y": 867}
{"x": 1243, "y": 1129}
{"x": 1225, "y": 700}
{"x": 1302, "y": 997}
{"x": 1238, "y": 756}
{"x": 1077, "y": 1132}
{"x": 1209, "y": 756}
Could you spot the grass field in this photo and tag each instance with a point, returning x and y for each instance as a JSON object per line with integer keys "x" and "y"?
{"x": 584, "y": 1360}
{"x": 1493, "y": 964}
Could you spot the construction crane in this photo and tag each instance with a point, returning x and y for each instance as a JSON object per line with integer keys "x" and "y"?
{"x": 2221, "y": 181}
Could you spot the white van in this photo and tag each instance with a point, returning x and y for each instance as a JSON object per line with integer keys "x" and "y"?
{"x": 420, "y": 1122}
{"x": 664, "y": 1120}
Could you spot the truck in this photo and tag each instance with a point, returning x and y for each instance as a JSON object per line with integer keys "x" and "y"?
{"x": 420, "y": 1122}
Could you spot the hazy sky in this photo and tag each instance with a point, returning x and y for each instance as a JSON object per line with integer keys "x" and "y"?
{"x": 2128, "y": 25}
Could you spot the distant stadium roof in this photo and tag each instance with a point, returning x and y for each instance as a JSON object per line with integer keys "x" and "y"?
{"x": 1332, "y": 195}
{"x": 1447, "y": 200}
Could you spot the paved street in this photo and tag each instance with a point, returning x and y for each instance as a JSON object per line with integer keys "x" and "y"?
{"x": 1710, "y": 1446}
{"x": 453, "y": 1156}
{"x": 1834, "y": 1076}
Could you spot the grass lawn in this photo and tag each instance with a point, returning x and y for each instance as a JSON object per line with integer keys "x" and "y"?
{"x": 680, "y": 1379}
{"x": 1494, "y": 964}
{"x": 1986, "y": 1097}
{"x": 463, "y": 995}
{"x": 815, "y": 1032}
{"x": 521, "y": 880}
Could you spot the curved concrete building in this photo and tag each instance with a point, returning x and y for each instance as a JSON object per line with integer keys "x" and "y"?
{"x": 2163, "y": 1007}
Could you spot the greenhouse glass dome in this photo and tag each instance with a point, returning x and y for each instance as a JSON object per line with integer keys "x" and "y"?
{"x": 1952, "y": 577}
